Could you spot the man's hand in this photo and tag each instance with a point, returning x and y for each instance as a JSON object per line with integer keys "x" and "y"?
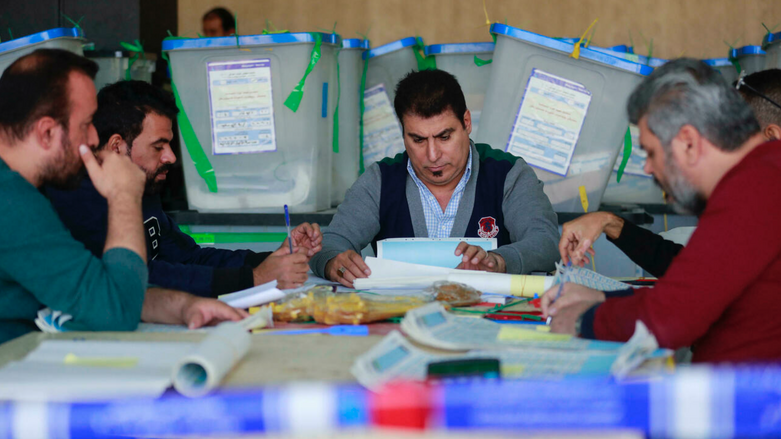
{"x": 173, "y": 307}
{"x": 199, "y": 311}
{"x": 346, "y": 267}
{"x": 476, "y": 258}
{"x": 578, "y": 235}
{"x": 114, "y": 176}
{"x": 290, "y": 271}
{"x": 565, "y": 311}
{"x": 306, "y": 236}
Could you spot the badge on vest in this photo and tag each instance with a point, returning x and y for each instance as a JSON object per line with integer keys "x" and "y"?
{"x": 487, "y": 227}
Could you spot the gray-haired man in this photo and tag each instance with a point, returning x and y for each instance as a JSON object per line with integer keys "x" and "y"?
{"x": 720, "y": 295}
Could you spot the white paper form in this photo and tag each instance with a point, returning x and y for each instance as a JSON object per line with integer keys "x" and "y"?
{"x": 433, "y": 326}
{"x": 242, "y": 106}
{"x": 637, "y": 159}
{"x": 438, "y": 252}
{"x": 395, "y": 358}
{"x": 549, "y": 121}
{"x": 381, "y": 130}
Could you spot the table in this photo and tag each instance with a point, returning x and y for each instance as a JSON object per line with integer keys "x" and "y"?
{"x": 271, "y": 359}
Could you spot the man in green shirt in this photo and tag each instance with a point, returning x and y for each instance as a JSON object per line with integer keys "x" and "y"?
{"x": 47, "y": 100}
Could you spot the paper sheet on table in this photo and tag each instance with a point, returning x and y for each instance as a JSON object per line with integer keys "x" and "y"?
{"x": 432, "y": 325}
{"x": 257, "y": 295}
{"x": 437, "y": 252}
{"x": 395, "y": 358}
{"x": 83, "y": 370}
{"x": 393, "y": 274}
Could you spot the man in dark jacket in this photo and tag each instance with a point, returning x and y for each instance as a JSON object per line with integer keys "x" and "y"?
{"x": 135, "y": 119}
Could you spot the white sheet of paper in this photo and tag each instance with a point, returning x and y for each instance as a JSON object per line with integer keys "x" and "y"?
{"x": 242, "y": 106}
{"x": 549, "y": 121}
{"x": 381, "y": 130}
{"x": 43, "y": 374}
{"x": 257, "y": 295}
{"x": 437, "y": 252}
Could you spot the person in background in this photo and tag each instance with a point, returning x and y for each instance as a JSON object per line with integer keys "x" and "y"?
{"x": 720, "y": 294}
{"x": 762, "y": 92}
{"x": 442, "y": 186}
{"x": 135, "y": 119}
{"x": 219, "y": 22}
{"x": 47, "y": 102}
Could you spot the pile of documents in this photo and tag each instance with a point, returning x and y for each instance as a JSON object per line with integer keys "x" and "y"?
{"x": 522, "y": 351}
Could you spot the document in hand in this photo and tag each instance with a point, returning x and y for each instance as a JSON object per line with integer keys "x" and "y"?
{"x": 437, "y": 252}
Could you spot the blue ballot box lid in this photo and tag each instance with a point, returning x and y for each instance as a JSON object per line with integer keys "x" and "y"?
{"x": 438, "y": 49}
{"x": 248, "y": 40}
{"x": 563, "y": 46}
{"x": 390, "y": 47}
{"x": 355, "y": 43}
{"x": 745, "y": 51}
{"x": 60, "y": 32}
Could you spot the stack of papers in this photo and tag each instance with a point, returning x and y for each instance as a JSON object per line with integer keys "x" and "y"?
{"x": 433, "y": 326}
{"x": 395, "y": 358}
{"x": 522, "y": 352}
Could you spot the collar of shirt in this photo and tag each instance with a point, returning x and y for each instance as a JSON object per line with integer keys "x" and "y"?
{"x": 439, "y": 223}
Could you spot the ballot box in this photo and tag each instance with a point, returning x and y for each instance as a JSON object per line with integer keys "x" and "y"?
{"x": 771, "y": 44}
{"x": 750, "y": 58}
{"x": 471, "y": 64}
{"x": 386, "y": 66}
{"x": 566, "y": 117}
{"x": 258, "y": 122}
{"x": 66, "y": 38}
{"x": 725, "y": 67}
{"x": 347, "y": 152}
{"x": 120, "y": 65}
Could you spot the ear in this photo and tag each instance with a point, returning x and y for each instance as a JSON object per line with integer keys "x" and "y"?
{"x": 468, "y": 121}
{"x": 117, "y": 144}
{"x": 46, "y": 131}
{"x": 772, "y": 132}
{"x": 689, "y": 144}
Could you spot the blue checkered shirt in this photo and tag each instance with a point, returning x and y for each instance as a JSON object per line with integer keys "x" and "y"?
{"x": 439, "y": 223}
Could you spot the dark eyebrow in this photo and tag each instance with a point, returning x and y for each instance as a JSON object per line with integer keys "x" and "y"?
{"x": 161, "y": 140}
{"x": 415, "y": 135}
{"x": 445, "y": 132}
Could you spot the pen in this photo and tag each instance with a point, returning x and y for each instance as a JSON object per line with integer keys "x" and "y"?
{"x": 287, "y": 224}
{"x": 558, "y": 293}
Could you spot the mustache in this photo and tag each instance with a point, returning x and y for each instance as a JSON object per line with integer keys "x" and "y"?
{"x": 164, "y": 168}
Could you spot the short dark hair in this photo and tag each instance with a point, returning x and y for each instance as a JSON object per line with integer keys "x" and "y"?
{"x": 429, "y": 93}
{"x": 228, "y": 22}
{"x": 687, "y": 91}
{"x": 36, "y": 86}
{"x": 123, "y": 106}
{"x": 768, "y": 83}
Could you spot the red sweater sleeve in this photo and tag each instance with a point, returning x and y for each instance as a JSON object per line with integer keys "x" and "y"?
{"x": 737, "y": 238}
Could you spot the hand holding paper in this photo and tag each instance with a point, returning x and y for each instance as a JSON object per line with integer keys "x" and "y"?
{"x": 346, "y": 267}
{"x": 476, "y": 258}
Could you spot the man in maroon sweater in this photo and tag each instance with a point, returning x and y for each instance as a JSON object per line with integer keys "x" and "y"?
{"x": 722, "y": 293}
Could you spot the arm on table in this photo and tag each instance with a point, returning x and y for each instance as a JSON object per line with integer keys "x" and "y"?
{"x": 690, "y": 298}
{"x": 179, "y": 308}
{"x": 355, "y": 224}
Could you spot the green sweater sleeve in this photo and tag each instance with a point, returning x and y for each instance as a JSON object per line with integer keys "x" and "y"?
{"x": 50, "y": 267}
